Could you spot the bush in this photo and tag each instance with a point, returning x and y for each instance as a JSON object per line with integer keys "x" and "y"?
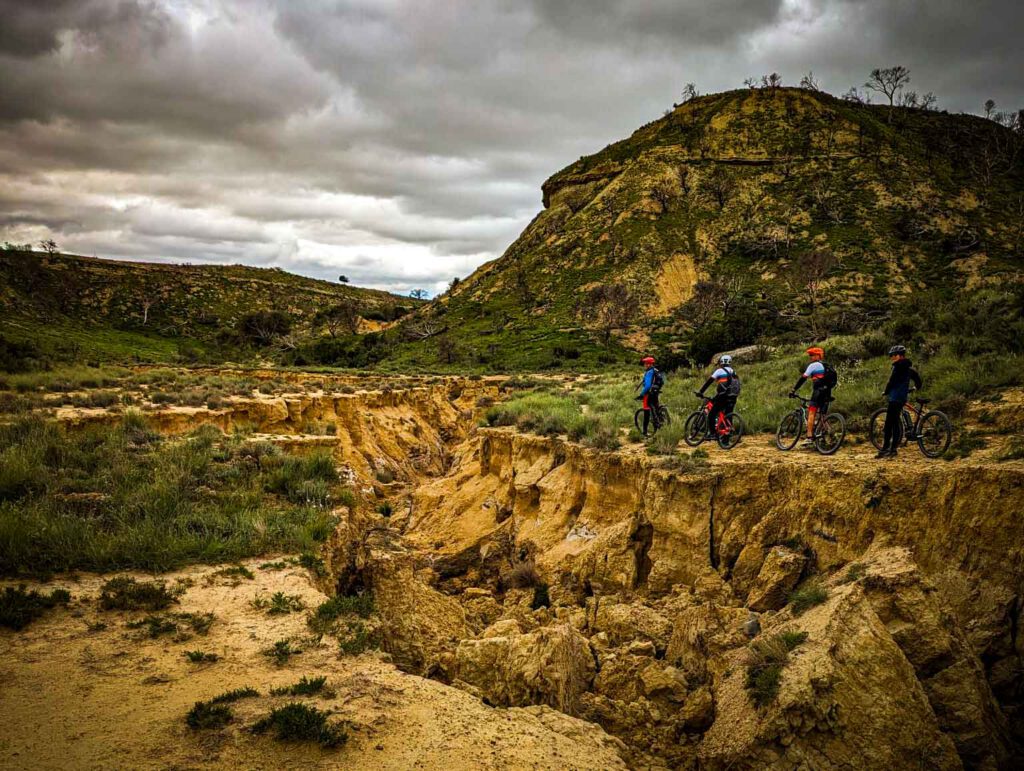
{"x": 765, "y": 662}
{"x": 806, "y": 596}
{"x": 215, "y": 713}
{"x": 281, "y": 651}
{"x": 299, "y": 722}
{"x": 125, "y": 593}
{"x": 19, "y": 608}
{"x": 541, "y": 598}
{"x": 306, "y": 687}
{"x": 523, "y": 575}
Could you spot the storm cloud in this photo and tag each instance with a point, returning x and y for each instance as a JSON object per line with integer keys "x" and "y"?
{"x": 400, "y": 143}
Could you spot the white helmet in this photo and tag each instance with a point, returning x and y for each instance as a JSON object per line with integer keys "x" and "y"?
{"x": 725, "y": 360}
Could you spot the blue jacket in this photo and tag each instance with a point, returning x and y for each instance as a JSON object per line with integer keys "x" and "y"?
{"x": 648, "y": 381}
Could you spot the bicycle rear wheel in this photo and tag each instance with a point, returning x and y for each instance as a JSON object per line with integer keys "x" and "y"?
{"x": 664, "y": 416}
{"x": 875, "y": 425}
{"x": 829, "y": 433}
{"x": 695, "y": 428}
{"x": 934, "y": 433}
{"x": 790, "y": 428}
{"x": 638, "y": 421}
{"x": 731, "y": 439}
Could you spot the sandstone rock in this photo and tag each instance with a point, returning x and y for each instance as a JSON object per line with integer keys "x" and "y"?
{"x": 642, "y": 648}
{"x": 552, "y": 666}
{"x": 778, "y": 575}
{"x": 701, "y": 634}
{"x": 698, "y": 713}
{"x": 626, "y": 622}
{"x": 503, "y": 628}
{"x": 848, "y": 698}
{"x": 663, "y": 681}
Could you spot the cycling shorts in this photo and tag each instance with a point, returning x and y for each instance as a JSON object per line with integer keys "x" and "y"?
{"x": 820, "y": 399}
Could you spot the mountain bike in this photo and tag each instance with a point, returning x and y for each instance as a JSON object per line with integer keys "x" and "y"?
{"x": 932, "y": 430}
{"x": 660, "y": 418}
{"x": 728, "y": 429}
{"x": 829, "y": 429}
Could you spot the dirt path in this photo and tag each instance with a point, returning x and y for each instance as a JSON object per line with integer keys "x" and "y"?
{"x": 102, "y": 699}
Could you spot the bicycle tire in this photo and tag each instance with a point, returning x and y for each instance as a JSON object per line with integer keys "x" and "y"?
{"x": 876, "y": 428}
{"x": 735, "y": 436}
{"x": 935, "y": 425}
{"x": 695, "y": 428}
{"x": 831, "y": 425}
{"x": 663, "y": 414}
{"x": 638, "y": 421}
{"x": 791, "y": 423}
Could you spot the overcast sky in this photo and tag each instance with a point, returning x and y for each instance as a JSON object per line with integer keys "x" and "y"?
{"x": 399, "y": 142}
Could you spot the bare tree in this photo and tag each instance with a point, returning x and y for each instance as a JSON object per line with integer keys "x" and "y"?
{"x": 750, "y": 83}
{"x": 49, "y": 246}
{"x": 990, "y": 106}
{"x": 664, "y": 192}
{"x": 808, "y": 271}
{"x": 888, "y": 81}
{"x": 720, "y": 185}
{"x": 341, "y": 318}
{"x": 928, "y": 101}
{"x": 809, "y": 82}
{"x": 690, "y": 92}
{"x": 701, "y": 308}
{"x": 771, "y": 81}
{"x": 447, "y": 349}
{"x": 609, "y": 307}
{"x": 855, "y": 96}
{"x": 418, "y": 294}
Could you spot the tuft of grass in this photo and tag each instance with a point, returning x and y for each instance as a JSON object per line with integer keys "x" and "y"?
{"x": 279, "y": 603}
{"x": 385, "y": 509}
{"x": 323, "y": 620}
{"x": 963, "y": 445}
{"x": 307, "y": 686}
{"x": 523, "y": 575}
{"x": 297, "y": 722}
{"x": 687, "y": 463}
{"x": 356, "y": 639}
{"x": 215, "y": 713}
{"x": 765, "y": 661}
{"x": 177, "y": 623}
{"x": 235, "y": 571}
{"x": 1013, "y": 451}
{"x": 281, "y": 651}
{"x": 125, "y": 593}
{"x": 201, "y": 657}
{"x": 806, "y": 596}
{"x": 19, "y": 608}
{"x": 312, "y": 563}
{"x": 854, "y": 573}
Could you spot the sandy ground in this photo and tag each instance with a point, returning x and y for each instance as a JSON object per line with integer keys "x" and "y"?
{"x": 71, "y": 698}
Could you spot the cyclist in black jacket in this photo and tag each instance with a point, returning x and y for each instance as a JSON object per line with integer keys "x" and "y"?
{"x": 897, "y": 391}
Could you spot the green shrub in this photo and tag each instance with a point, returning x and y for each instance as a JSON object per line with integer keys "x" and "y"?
{"x": 1013, "y": 451}
{"x": 356, "y": 639}
{"x": 201, "y": 657}
{"x": 299, "y": 722}
{"x": 215, "y": 713}
{"x": 806, "y": 596}
{"x": 281, "y": 651}
{"x": 312, "y": 686}
{"x": 19, "y": 608}
{"x": 765, "y": 661}
{"x": 125, "y": 593}
{"x": 313, "y": 563}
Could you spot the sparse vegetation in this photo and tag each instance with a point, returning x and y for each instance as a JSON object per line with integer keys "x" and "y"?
{"x": 281, "y": 651}
{"x": 18, "y": 607}
{"x": 766, "y": 659}
{"x": 323, "y": 620}
{"x": 278, "y": 603}
{"x": 201, "y": 657}
{"x": 1014, "y": 450}
{"x": 810, "y": 593}
{"x": 216, "y": 713}
{"x": 356, "y": 639}
{"x": 297, "y": 722}
{"x": 307, "y": 686}
{"x": 125, "y": 593}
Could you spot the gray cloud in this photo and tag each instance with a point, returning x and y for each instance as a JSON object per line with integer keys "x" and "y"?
{"x": 400, "y": 143}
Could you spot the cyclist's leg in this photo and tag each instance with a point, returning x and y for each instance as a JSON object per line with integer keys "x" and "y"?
{"x": 891, "y": 432}
{"x": 655, "y": 403}
{"x": 812, "y": 415}
{"x": 717, "y": 405}
{"x": 647, "y": 413}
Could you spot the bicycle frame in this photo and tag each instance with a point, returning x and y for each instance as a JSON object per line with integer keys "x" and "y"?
{"x": 722, "y": 425}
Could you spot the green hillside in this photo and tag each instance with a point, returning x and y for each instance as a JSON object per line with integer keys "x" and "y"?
{"x": 68, "y": 307}
{"x": 759, "y": 214}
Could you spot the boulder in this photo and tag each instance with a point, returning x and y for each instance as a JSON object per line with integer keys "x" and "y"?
{"x": 778, "y": 575}
{"x": 627, "y": 622}
{"x": 552, "y": 665}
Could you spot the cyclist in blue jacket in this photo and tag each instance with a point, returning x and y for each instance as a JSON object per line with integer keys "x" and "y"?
{"x": 650, "y": 391}
{"x": 897, "y": 391}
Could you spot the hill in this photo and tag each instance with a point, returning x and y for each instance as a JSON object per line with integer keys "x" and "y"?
{"x": 67, "y": 306}
{"x": 748, "y": 215}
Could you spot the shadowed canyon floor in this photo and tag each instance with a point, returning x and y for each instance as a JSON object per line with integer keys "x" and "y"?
{"x": 540, "y": 604}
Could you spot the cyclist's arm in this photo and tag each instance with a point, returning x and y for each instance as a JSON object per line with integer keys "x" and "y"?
{"x": 704, "y": 387}
{"x": 889, "y": 385}
{"x": 799, "y": 383}
{"x": 915, "y": 377}
{"x": 648, "y": 382}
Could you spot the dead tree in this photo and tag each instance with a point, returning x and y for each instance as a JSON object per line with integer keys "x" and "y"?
{"x": 610, "y": 307}
{"x": 888, "y": 81}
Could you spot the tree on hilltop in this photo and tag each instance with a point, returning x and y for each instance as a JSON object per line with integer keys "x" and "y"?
{"x": 49, "y": 246}
{"x": 888, "y": 81}
{"x": 418, "y": 294}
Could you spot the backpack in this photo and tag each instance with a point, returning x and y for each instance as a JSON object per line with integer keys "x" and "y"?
{"x": 831, "y": 378}
{"x": 734, "y": 386}
{"x": 659, "y": 380}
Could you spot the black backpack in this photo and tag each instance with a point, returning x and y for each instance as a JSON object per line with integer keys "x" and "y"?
{"x": 734, "y": 385}
{"x": 658, "y": 382}
{"x": 831, "y": 378}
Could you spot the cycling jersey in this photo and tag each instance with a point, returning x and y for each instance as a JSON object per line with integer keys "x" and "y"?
{"x": 723, "y": 376}
{"x": 815, "y": 371}
{"x": 898, "y": 387}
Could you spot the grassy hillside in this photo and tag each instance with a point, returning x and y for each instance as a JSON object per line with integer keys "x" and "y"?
{"x": 782, "y": 214}
{"x": 69, "y": 307}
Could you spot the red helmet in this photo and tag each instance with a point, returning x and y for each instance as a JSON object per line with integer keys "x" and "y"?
{"x": 647, "y": 360}
{"x": 815, "y": 351}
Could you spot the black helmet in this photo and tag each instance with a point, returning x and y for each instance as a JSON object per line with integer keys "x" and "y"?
{"x": 898, "y": 350}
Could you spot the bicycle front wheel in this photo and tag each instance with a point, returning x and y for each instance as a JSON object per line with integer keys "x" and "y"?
{"x": 876, "y": 424}
{"x": 638, "y": 421}
{"x": 731, "y": 439}
{"x": 830, "y": 433}
{"x": 695, "y": 428}
{"x": 934, "y": 433}
{"x": 666, "y": 419}
{"x": 790, "y": 428}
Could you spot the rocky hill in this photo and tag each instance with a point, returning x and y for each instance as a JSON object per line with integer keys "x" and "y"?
{"x": 46, "y": 296}
{"x": 806, "y": 213}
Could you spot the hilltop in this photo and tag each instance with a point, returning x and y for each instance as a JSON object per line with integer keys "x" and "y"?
{"x": 801, "y": 213}
{"x": 66, "y": 304}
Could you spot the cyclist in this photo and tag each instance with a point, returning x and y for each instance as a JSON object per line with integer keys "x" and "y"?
{"x": 822, "y": 382}
{"x": 650, "y": 392}
{"x": 897, "y": 391}
{"x": 725, "y": 396}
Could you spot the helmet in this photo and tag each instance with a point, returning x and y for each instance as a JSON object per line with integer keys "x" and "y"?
{"x": 647, "y": 360}
{"x": 815, "y": 351}
{"x": 725, "y": 360}
{"x": 898, "y": 350}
